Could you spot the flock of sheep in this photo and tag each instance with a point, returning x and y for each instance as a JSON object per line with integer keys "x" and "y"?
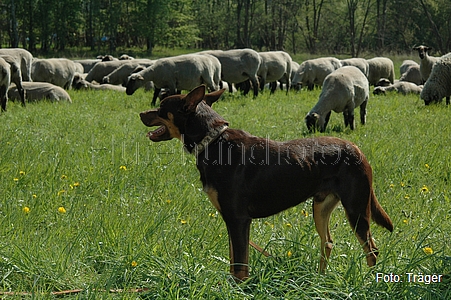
{"x": 345, "y": 83}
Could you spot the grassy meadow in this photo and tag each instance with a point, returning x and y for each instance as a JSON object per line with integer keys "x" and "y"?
{"x": 88, "y": 202}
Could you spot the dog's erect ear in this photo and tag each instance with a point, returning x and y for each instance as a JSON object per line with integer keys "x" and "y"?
{"x": 212, "y": 97}
{"x": 193, "y": 98}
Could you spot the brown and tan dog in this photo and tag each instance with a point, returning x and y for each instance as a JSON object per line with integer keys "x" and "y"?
{"x": 248, "y": 177}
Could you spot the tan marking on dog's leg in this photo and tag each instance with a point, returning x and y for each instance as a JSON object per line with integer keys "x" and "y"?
{"x": 321, "y": 214}
{"x": 213, "y": 196}
{"x": 370, "y": 249}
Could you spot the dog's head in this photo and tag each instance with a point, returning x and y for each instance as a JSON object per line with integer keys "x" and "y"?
{"x": 178, "y": 112}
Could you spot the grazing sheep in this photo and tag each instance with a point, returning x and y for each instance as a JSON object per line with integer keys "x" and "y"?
{"x": 383, "y": 82}
{"x": 313, "y": 71}
{"x": 183, "y": 72}
{"x": 87, "y": 64}
{"x": 79, "y": 68}
{"x": 86, "y": 85}
{"x": 107, "y": 57}
{"x": 103, "y": 68}
{"x": 380, "y": 67}
{"x": 360, "y": 63}
{"x": 438, "y": 84}
{"x": 294, "y": 69}
{"x": 58, "y": 71}
{"x": 23, "y": 58}
{"x": 412, "y": 74}
{"x": 39, "y": 91}
{"x": 237, "y": 66}
{"x": 126, "y": 57}
{"x": 426, "y": 61}
{"x": 274, "y": 66}
{"x": 403, "y": 87}
{"x": 343, "y": 90}
{"x": 16, "y": 75}
{"x": 5, "y": 81}
{"x": 407, "y": 64}
{"x": 120, "y": 74}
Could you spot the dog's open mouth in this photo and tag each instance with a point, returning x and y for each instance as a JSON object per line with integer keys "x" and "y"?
{"x": 157, "y": 133}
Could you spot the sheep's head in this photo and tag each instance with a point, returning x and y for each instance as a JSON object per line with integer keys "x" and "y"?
{"x": 422, "y": 51}
{"x": 312, "y": 121}
{"x": 431, "y": 96}
{"x": 134, "y": 82}
{"x": 379, "y": 90}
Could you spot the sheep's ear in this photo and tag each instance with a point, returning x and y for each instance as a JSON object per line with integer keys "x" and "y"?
{"x": 193, "y": 98}
{"x": 212, "y": 97}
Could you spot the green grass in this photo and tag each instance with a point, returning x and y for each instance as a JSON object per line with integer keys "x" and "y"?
{"x": 136, "y": 216}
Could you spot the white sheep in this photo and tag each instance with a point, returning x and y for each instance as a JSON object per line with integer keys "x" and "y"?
{"x": 343, "y": 90}
{"x": 275, "y": 65}
{"x": 87, "y": 64}
{"x": 120, "y": 74}
{"x": 412, "y": 74}
{"x": 426, "y": 61}
{"x": 16, "y": 75}
{"x": 23, "y": 58}
{"x": 438, "y": 84}
{"x": 58, "y": 71}
{"x": 5, "y": 80}
{"x": 407, "y": 64}
{"x": 313, "y": 71}
{"x": 182, "y": 72}
{"x": 103, "y": 68}
{"x": 86, "y": 85}
{"x": 238, "y": 66}
{"x": 403, "y": 87}
{"x": 380, "y": 67}
{"x": 39, "y": 91}
{"x": 360, "y": 63}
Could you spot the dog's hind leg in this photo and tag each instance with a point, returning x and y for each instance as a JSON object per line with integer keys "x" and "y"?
{"x": 323, "y": 205}
{"x": 238, "y": 230}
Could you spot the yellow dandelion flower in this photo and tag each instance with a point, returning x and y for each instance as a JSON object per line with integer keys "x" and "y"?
{"x": 213, "y": 215}
{"x": 61, "y": 210}
{"x": 123, "y": 168}
{"x": 63, "y": 176}
{"x": 21, "y": 173}
{"x": 34, "y": 196}
{"x": 61, "y": 192}
{"x": 134, "y": 264}
{"x": 392, "y": 185}
{"x": 184, "y": 222}
{"x": 289, "y": 253}
{"x": 26, "y": 209}
{"x": 402, "y": 184}
{"x": 406, "y": 196}
{"x": 288, "y": 225}
{"x": 428, "y": 250}
{"x": 16, "y": 179}
{"x": 305, "y": 213}
{"x": 76, "y": 184}
{"x": 424, "y": 189}
{"x": 269, "y": 224}
{"x": 405, "y": 221}
{"x": 168, "y": 201}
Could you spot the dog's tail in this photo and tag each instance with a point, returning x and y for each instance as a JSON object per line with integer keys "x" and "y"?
{"x": 379, "y": 215}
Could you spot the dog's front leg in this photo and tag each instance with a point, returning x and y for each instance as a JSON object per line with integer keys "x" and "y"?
{"x": 238, "y": 230}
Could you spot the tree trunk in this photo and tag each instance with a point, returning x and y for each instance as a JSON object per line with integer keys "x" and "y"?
{"x": 14, "y": 29}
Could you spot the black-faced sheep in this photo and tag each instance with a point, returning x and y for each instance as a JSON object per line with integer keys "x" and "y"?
{"x": 343, "y": 90}
{"x": 438, "y": 84}
{"x": 426, "y": 61}
{"x": 16, "y": 75}
{"x": 23, "y": 58}
{"x": 275, "y": 65}
{"x": 403, "y": 87}
{"x": 238, "y": 66}
{"x": 58, "y": 71}
{"x": 39, "y": 91}
{"x": 183, "y": 72}
{"x": 120, "y": 74}
{"x": 360, "y": 63}
{"x": 5, "y": 80}
{"x": 380, "y": 67}
{"x": 313, "y": 71}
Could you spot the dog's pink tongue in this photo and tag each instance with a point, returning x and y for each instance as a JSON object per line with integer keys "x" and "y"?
{"x": 156, "y": 133}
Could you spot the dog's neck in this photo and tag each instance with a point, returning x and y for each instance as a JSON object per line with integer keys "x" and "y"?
{"x": 209, "y": 138}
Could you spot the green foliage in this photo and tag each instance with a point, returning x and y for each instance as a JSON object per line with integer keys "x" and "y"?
{"x": 135, "y": 215}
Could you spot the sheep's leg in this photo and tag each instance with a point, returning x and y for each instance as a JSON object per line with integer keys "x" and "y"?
{"x": 326, "y": 120}
{"x": 155, "y": 95}
{"x": 363, "y": 112}
{"x": 273, "y": 86}
{"x": 254, "y": 81}
{"x": 447, "y": 100}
